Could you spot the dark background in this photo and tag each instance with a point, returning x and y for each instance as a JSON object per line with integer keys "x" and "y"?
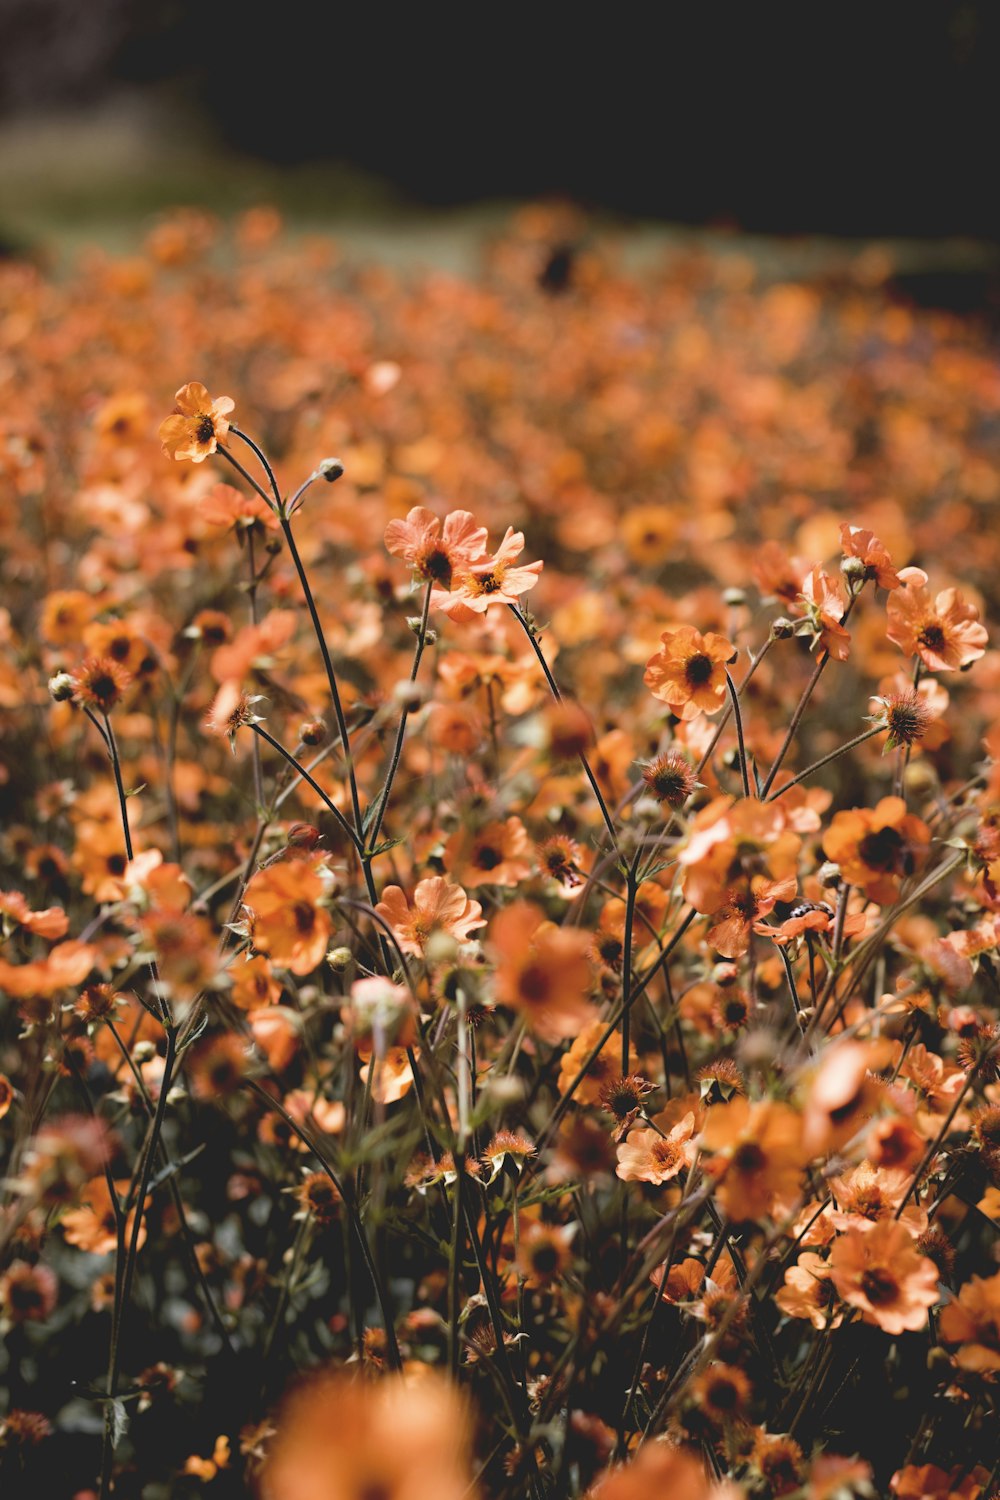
{"x": 879, "y": 119}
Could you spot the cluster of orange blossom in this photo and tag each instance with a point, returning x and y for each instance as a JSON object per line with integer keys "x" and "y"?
{"x": 469, "y": 1027}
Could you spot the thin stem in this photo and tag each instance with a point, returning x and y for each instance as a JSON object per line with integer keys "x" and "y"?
{"x": 261, "y": 458}
{"x": 382, "y": 800}
{"x": 351, "y": 1207}
{"x": 231, "y": 458}
{"x": 331, "y": 675}
{"x": 258, "y": 779}
{"x": 554, "y": 690}
{"x": 735, "y": 700}
{"x": 145, "y": 1168}
{"x": 825, "y": 760}
{"x": 300, "y": 769}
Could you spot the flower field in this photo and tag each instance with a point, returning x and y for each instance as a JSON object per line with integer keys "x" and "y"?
{"x": 499, "y": 877}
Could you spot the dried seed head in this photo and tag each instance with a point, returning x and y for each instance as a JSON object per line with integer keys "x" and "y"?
{"x": 670, "y": 778}
{"x": 905, "y": 715}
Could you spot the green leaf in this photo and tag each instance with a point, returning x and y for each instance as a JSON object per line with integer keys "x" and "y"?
{"x": 382, "y": 848}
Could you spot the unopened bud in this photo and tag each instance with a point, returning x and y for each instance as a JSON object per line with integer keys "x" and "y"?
{"x": 734, "y": 598}
{"x": 782, "y": 628}
{"x": 828, "y": 875}
{"x": 273, "y": 546}
{"x": 61, "y": 687}
{"x": 853, "y": 569}
{"x": 312, "y": 732}
{"x": 331, "y": 469}
{"x": 340, "y": 959}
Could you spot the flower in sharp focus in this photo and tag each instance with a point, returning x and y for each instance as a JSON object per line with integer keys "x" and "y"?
{"x": 880, "y": 1273}
{"x": 438, "y": 906}
{"x": 944, "y": 631}
{"x": 494, "y": 580}
{"x": 688, "y": 673}
{"x": 670, "y": 778}
{"x": 437, "y": 552}
{"x": 904, "y": 715}
{"x": 231, "y": 711}
{"x": 507, "y": 1145}
{"x": 649, "y": 1156}
{"x": 865, "y": 545}
{"x": 99, "y": 683}
{"x": 197, "y": 422}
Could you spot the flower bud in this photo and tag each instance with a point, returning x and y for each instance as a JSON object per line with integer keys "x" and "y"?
{"x": 734, "y": 598}
{"x": 312, "y": 732}
{"x": 61, "y": 687}
{"x": 782, "y": 628}
{"x": 331, "y": 469}
{"x": 340, "y": 959}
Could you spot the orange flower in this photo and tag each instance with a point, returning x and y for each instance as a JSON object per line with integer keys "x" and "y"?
{"x": 865, "y": 545}
{"x": 495, "y": 855}
{"x": 746, "y": 904}
{"x": 882, "y": 1274}
{"x": 50, "y": 923}
{"x": 284, "y": 917}
{"x": 688, "y": 673}
{"x": 542, "y": 971}
{"x": 92, "y": 1226}
{"x": 928, "y": 1482}
{"x": 226, "y": 506}
{"x": 876, "y": 849}
{"x": 196, "y": 424}
{"x": 99, "y": 683}
{"x": 492, "y": 581}
{"x": 841, "y": 1094}
{"x": 605, "y": 1068}
{"x": 756, "y": 1155}
{"x": 944, "y": 632}
{"x": 438, "y": 906}
{"x": 339, "y": 1439}
{"x": 973, "y": 1320}
{"x": 867, "y": 1195}
{"x": 826, "y": 606}
{"x": 650, "y": 1156}
{"x": 808, "y": 1292}
{"x": 435, "y": 552}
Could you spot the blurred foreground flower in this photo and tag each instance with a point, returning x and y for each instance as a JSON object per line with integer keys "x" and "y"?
{"x": 344, "y": 1439}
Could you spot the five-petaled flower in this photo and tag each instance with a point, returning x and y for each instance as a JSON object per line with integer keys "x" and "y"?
{"x": 196, "y": 424}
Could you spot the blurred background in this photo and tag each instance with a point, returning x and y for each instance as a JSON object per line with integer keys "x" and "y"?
{"x": 412, "y": 131}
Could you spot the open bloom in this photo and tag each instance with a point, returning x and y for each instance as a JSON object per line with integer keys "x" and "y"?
{"x": 542, "y": 971}
{"x": 880, "y": 1273}
{"x": 865, "y": 545}
{"x": 492, "y": 580}
{"x": 435, "y": 551}
{"x": 876, "y": 848}
{"x": 284, "y": 916}
{"x": 438, "y": 906}
{"x": 649, "y": 1156}
{"x": 755, "y": 1152}
{"x": 943, "y": 631}
{"x": 197, "y": 422}
{"x": 688, "y": 673}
